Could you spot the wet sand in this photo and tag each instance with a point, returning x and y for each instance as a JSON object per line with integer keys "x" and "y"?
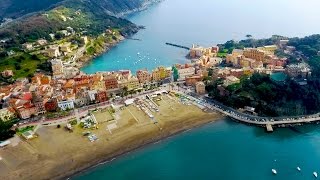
{"x": 58, "y": 154}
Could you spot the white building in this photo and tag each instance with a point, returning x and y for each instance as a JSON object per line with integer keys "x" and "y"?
{"x": 183, "y": 73}
{"x": 92, "y": 95}
{"x": 65, "y": 105}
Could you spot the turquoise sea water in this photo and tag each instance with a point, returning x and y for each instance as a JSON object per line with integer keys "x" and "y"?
{"x": 205, "y": 22}
{"x": 222, "y": 150}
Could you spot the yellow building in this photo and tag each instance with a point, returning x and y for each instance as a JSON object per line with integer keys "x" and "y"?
{"x": 132, "y": 83}
{"x": 160, "y": 73}
{"x": 246, "y": 62}
{"x": 269, "y": 49}
{"x": 254, "y": 53}
{"x": 99, "y": 85}
{"x": 247, "y": 71}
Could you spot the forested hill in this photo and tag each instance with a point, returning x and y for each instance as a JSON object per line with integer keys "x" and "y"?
{"x": 96, "y": 16}
{"x": 18, "y": 8}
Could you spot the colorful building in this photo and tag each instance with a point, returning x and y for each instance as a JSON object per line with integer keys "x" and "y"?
{"x": 143, "y": 76}
{"x": 160, "y": 73}
{"x": 254, "y": 53}
{"x": 200, "y": 88}
{"x": 111, "y": 83}
{"x": 192, "y": 80}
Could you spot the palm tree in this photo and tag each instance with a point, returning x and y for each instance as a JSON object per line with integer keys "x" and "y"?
{"x": 249, "y": 36}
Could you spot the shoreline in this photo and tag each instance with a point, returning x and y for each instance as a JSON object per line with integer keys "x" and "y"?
{"x": 84, "y": 60}
{"x": 108, "y": 160}
{"x": 63, "y": 155}
{"x": 143, "y": 7}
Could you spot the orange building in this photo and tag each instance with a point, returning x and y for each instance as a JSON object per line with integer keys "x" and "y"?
{"x": 143, "y": 76}
{"x": 192, "y": 80}
{"x": 111, "y": 82}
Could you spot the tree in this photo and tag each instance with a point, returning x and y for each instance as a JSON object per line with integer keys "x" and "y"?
{"x": 249, "y": 36}
{"x": 175, "y": 74}
{"x": 124, "y": 91}
{"x": 5, "y": 130}
{"x": 17, "y": 66}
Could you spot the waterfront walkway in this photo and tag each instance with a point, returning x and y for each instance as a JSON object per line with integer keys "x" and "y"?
{"x": 258, "y": 120}
{"x": 267, "y": 122}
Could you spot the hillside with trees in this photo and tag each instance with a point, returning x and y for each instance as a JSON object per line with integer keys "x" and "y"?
{"x": 310, "y": 48}
{"x": 17, "y": 8}
{"x": 90, "y": 18}
{"x": 272, "y": 98}
{"x": 268, "y": 97}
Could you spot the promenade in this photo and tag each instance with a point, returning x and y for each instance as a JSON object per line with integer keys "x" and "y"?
{"x": 258, "y": 120}
{"x": 267, "y": 122}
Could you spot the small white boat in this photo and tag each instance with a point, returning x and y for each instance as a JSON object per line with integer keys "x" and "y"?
{"x": 274, "y": 171}
{"x": 298, "y": 168}
{"x": 315, "y": 174}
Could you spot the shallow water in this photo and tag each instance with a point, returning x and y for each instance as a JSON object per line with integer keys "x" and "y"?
{"x": 221, "y": 150}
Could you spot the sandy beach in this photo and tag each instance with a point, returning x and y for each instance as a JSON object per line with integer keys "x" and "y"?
{"x": 58, "y": 154}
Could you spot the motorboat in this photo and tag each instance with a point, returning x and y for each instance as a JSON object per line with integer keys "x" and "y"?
{"x": 274, "y": 171}
{"x": 315, "y": 174}
{"x": 298, "y": 168}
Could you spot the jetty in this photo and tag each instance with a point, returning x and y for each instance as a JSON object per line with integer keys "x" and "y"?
{"x": 177, "y": 45}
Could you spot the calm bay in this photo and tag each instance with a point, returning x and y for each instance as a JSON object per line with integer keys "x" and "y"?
{"x": 221, "y": 150}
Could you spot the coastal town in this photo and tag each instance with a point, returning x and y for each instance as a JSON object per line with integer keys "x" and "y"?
{"x": 68, "y": 88}
{"x": 159, "y": 89}
{"x": 61, "y": 104}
